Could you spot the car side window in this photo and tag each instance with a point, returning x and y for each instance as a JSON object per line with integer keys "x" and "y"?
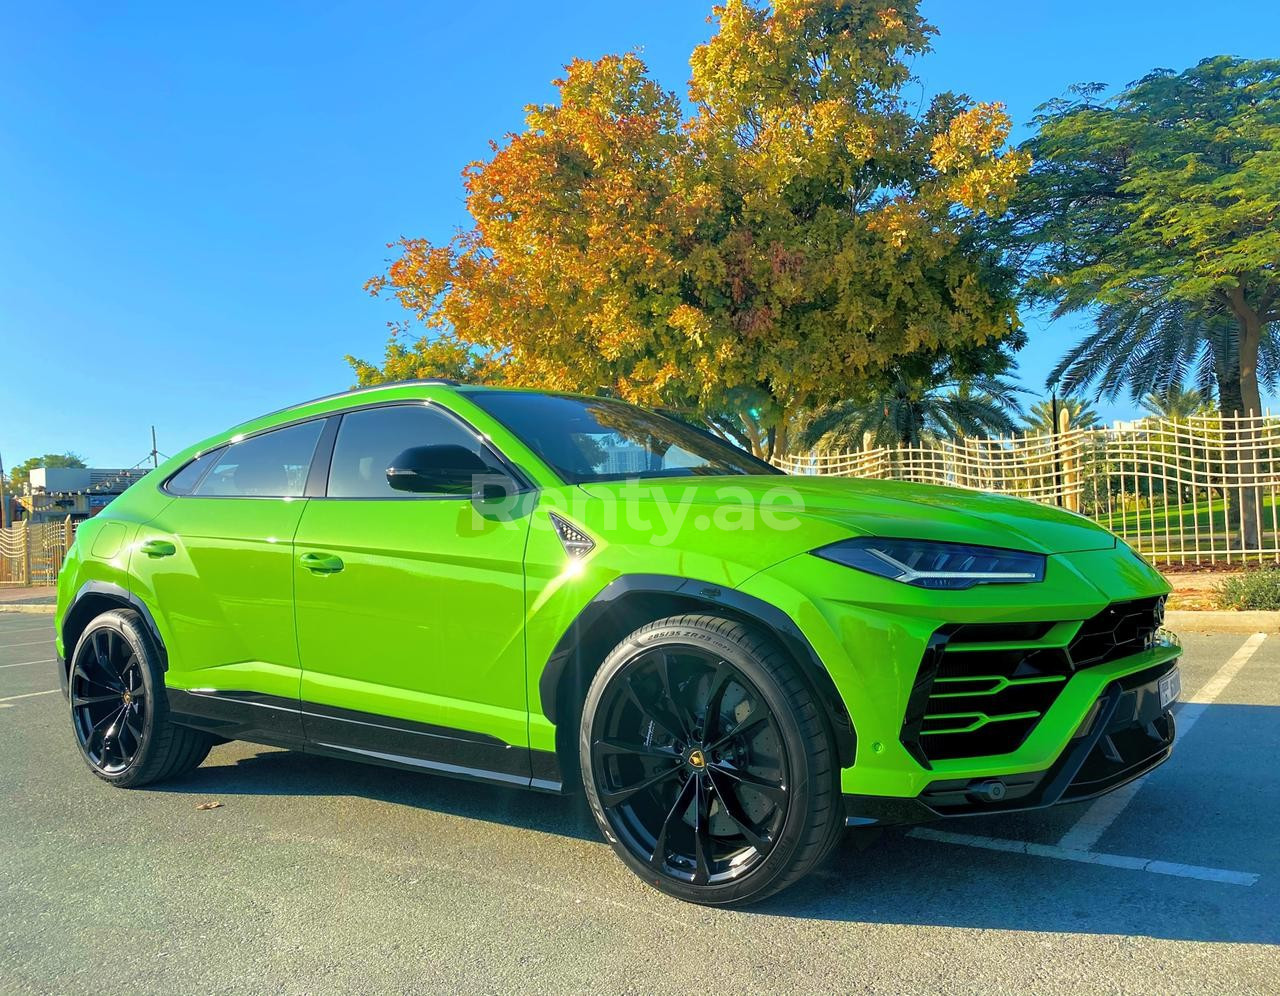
{"x": 370, "y": 440}
{"x": 270, "y": 465}
{"x": 185, "y": 480}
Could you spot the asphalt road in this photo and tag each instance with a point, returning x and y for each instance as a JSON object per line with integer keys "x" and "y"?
{"x": 324, "y": 876}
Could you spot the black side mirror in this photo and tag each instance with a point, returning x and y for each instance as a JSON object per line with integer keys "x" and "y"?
{"x": 444, "y": 470}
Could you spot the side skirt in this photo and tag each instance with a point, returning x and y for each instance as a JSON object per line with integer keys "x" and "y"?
{"x": 361, "y": 736}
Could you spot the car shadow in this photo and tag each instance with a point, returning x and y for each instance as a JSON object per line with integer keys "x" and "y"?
{"x": 293, "y": 773}
{"x": 1206, "y": 807}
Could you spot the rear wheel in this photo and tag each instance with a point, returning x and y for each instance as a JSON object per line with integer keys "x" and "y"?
{"x": 707, "y": 762}
{"x": 118, "y": 709}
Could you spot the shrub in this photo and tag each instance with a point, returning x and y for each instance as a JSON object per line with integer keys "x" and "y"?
{"x": 1258, "y": 589}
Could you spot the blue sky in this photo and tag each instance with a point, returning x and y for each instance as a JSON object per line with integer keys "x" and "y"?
{"x": 191, "y": 196}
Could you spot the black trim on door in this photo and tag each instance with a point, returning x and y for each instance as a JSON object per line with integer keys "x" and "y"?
{"x": 363, "y": 736}
{"x": 318, "y": 473}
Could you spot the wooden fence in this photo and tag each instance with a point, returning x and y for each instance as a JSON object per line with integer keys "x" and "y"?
{"x": 31, "y": 554}
{"x": 1191, "y": 490}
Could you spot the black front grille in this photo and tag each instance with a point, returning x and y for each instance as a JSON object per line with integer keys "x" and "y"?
{"x": 1120, "y": 629}
{"x": 979, "y": 693}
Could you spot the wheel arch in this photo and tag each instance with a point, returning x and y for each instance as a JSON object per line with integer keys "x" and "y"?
{"x": 95, "y": 598}
{"x": 630, "y": 601}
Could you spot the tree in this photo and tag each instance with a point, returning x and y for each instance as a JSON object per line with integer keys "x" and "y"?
{"x": 425, "y": 358}
{"x": 1167, "y": 194}
{"x": 1157, "y": 347}
{"x": 21, "y": 473}
{"x": 1040, "y": 418}
{"x": 1177, "y": 403}
{"x": 946, "y": 397}
{"x": 804, "y": 228}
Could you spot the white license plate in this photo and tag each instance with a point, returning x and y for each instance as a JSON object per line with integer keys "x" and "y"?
{"x": 1170, "y": 688}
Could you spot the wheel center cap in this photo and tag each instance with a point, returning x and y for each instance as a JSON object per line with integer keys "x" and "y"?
{"x": 697, "y": 759}
{"x": 128, "y": 698}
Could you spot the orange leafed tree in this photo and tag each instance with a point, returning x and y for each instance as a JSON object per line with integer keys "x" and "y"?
{"x": 804, "y": 227}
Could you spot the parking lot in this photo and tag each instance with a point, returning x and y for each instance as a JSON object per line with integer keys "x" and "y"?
{"x": 318, "y": 876}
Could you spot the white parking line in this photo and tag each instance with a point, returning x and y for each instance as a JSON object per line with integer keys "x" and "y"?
{"x": 29, "y": 629}
{"x": 28, "y": 695}
{"x": 1097, "y": 819}
{"x": 29, "y": 643}
{"x": 1221, "y": 875}
{"x": 47, "y": 660}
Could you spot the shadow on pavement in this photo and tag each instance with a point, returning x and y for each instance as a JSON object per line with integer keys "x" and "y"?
{"x": 1215, "y": 804}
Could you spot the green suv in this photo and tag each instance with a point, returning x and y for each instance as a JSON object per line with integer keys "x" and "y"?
{"x": 567, "y": 593}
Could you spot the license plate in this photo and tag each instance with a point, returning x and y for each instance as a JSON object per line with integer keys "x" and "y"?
{"x": 1170, "y": 688}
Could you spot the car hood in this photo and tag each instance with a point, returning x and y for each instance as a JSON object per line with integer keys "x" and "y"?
{"x": 886, "y": 508}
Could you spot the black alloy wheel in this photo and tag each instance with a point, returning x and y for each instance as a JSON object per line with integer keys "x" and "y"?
{"x": 108, "y": 701}
{"x": 689, "y": 765}
{"x": 699, "y": 767}
{"x": 119, "y": 711}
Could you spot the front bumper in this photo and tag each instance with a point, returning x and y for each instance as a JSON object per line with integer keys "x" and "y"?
{"x": 1126, "y": 734}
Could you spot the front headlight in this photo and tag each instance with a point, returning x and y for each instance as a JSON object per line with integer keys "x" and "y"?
{"x": 926, "y": 564}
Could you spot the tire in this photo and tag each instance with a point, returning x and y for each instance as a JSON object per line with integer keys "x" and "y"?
{"x": 119, "y": 712}
{"x": 708, "y": 763}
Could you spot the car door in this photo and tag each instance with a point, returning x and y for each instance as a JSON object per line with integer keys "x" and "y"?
{"x": 410, "y": 605}
{"x": 216, "y": 565}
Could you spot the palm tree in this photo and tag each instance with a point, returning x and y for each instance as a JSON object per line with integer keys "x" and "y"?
{"x": 1154, "y": 345}
{"x": 913, "y": 409}
{"x": 1040, "y": 419}
{"x": 1177, "y": 402}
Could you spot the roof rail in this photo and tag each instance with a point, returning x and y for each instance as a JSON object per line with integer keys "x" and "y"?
{"x": 436, "y": 381}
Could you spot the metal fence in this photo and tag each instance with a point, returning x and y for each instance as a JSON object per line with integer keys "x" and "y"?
{"x": 1192, "y": 490}
{"x": 32, "y": 553}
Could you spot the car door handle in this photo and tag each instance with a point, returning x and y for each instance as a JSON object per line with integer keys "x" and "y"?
{"x": 158, "y": 548}
{"x": 321, "y": 563}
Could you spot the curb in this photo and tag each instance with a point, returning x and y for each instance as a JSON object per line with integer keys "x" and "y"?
{"x": 1221, "y": 621}
{"x": 38, "y": 608}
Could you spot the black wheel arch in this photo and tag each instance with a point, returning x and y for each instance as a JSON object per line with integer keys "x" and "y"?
{"x": 95, "y": 598}
{"x": 632, "y": 600}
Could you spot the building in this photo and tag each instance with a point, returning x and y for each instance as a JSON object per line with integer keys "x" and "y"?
{"x": 53, "y": 493}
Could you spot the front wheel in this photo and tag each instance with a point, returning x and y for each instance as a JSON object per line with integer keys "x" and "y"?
{"x": 707, "y": 762}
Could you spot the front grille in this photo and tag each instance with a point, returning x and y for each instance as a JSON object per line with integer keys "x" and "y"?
{"x": 980, "y": 693}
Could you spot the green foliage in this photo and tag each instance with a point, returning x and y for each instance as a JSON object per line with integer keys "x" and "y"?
{"x": 428, "y": 357}
{"x": 1142, "y": 347}
{"x": 1161, "y": 206}
{"x": 1177, "y": 402}
{"x": 1259, "y": 589}
{"x": 21, "y": 473}
{"x": 1040, "y": 417}
{"x": 962, "y": 394}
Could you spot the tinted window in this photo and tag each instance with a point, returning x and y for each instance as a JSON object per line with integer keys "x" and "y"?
{"x": 272, "y": 465}
{"x": 596, "y": 439}
{"x": 370, "y": 440}
{"x": 189, "y": 476}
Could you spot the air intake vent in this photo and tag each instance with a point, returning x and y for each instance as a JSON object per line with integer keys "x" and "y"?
{"x": 980, "y": 693}
{"x": 576, "y": 543}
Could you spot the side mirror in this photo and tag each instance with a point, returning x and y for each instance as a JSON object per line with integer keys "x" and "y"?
{"x": 443, "y": 470}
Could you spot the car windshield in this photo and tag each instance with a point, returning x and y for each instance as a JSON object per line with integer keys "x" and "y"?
{"x": 596, "y": 439}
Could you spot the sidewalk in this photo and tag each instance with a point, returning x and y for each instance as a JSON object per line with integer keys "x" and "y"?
{"x": 27, "y": 599}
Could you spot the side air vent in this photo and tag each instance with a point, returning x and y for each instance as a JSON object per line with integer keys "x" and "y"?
{"x": 980, "y": 693}
{"x": 576, "y": 543}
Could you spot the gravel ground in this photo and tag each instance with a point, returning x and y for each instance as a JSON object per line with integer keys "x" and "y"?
{"x": 322, "y": 876}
